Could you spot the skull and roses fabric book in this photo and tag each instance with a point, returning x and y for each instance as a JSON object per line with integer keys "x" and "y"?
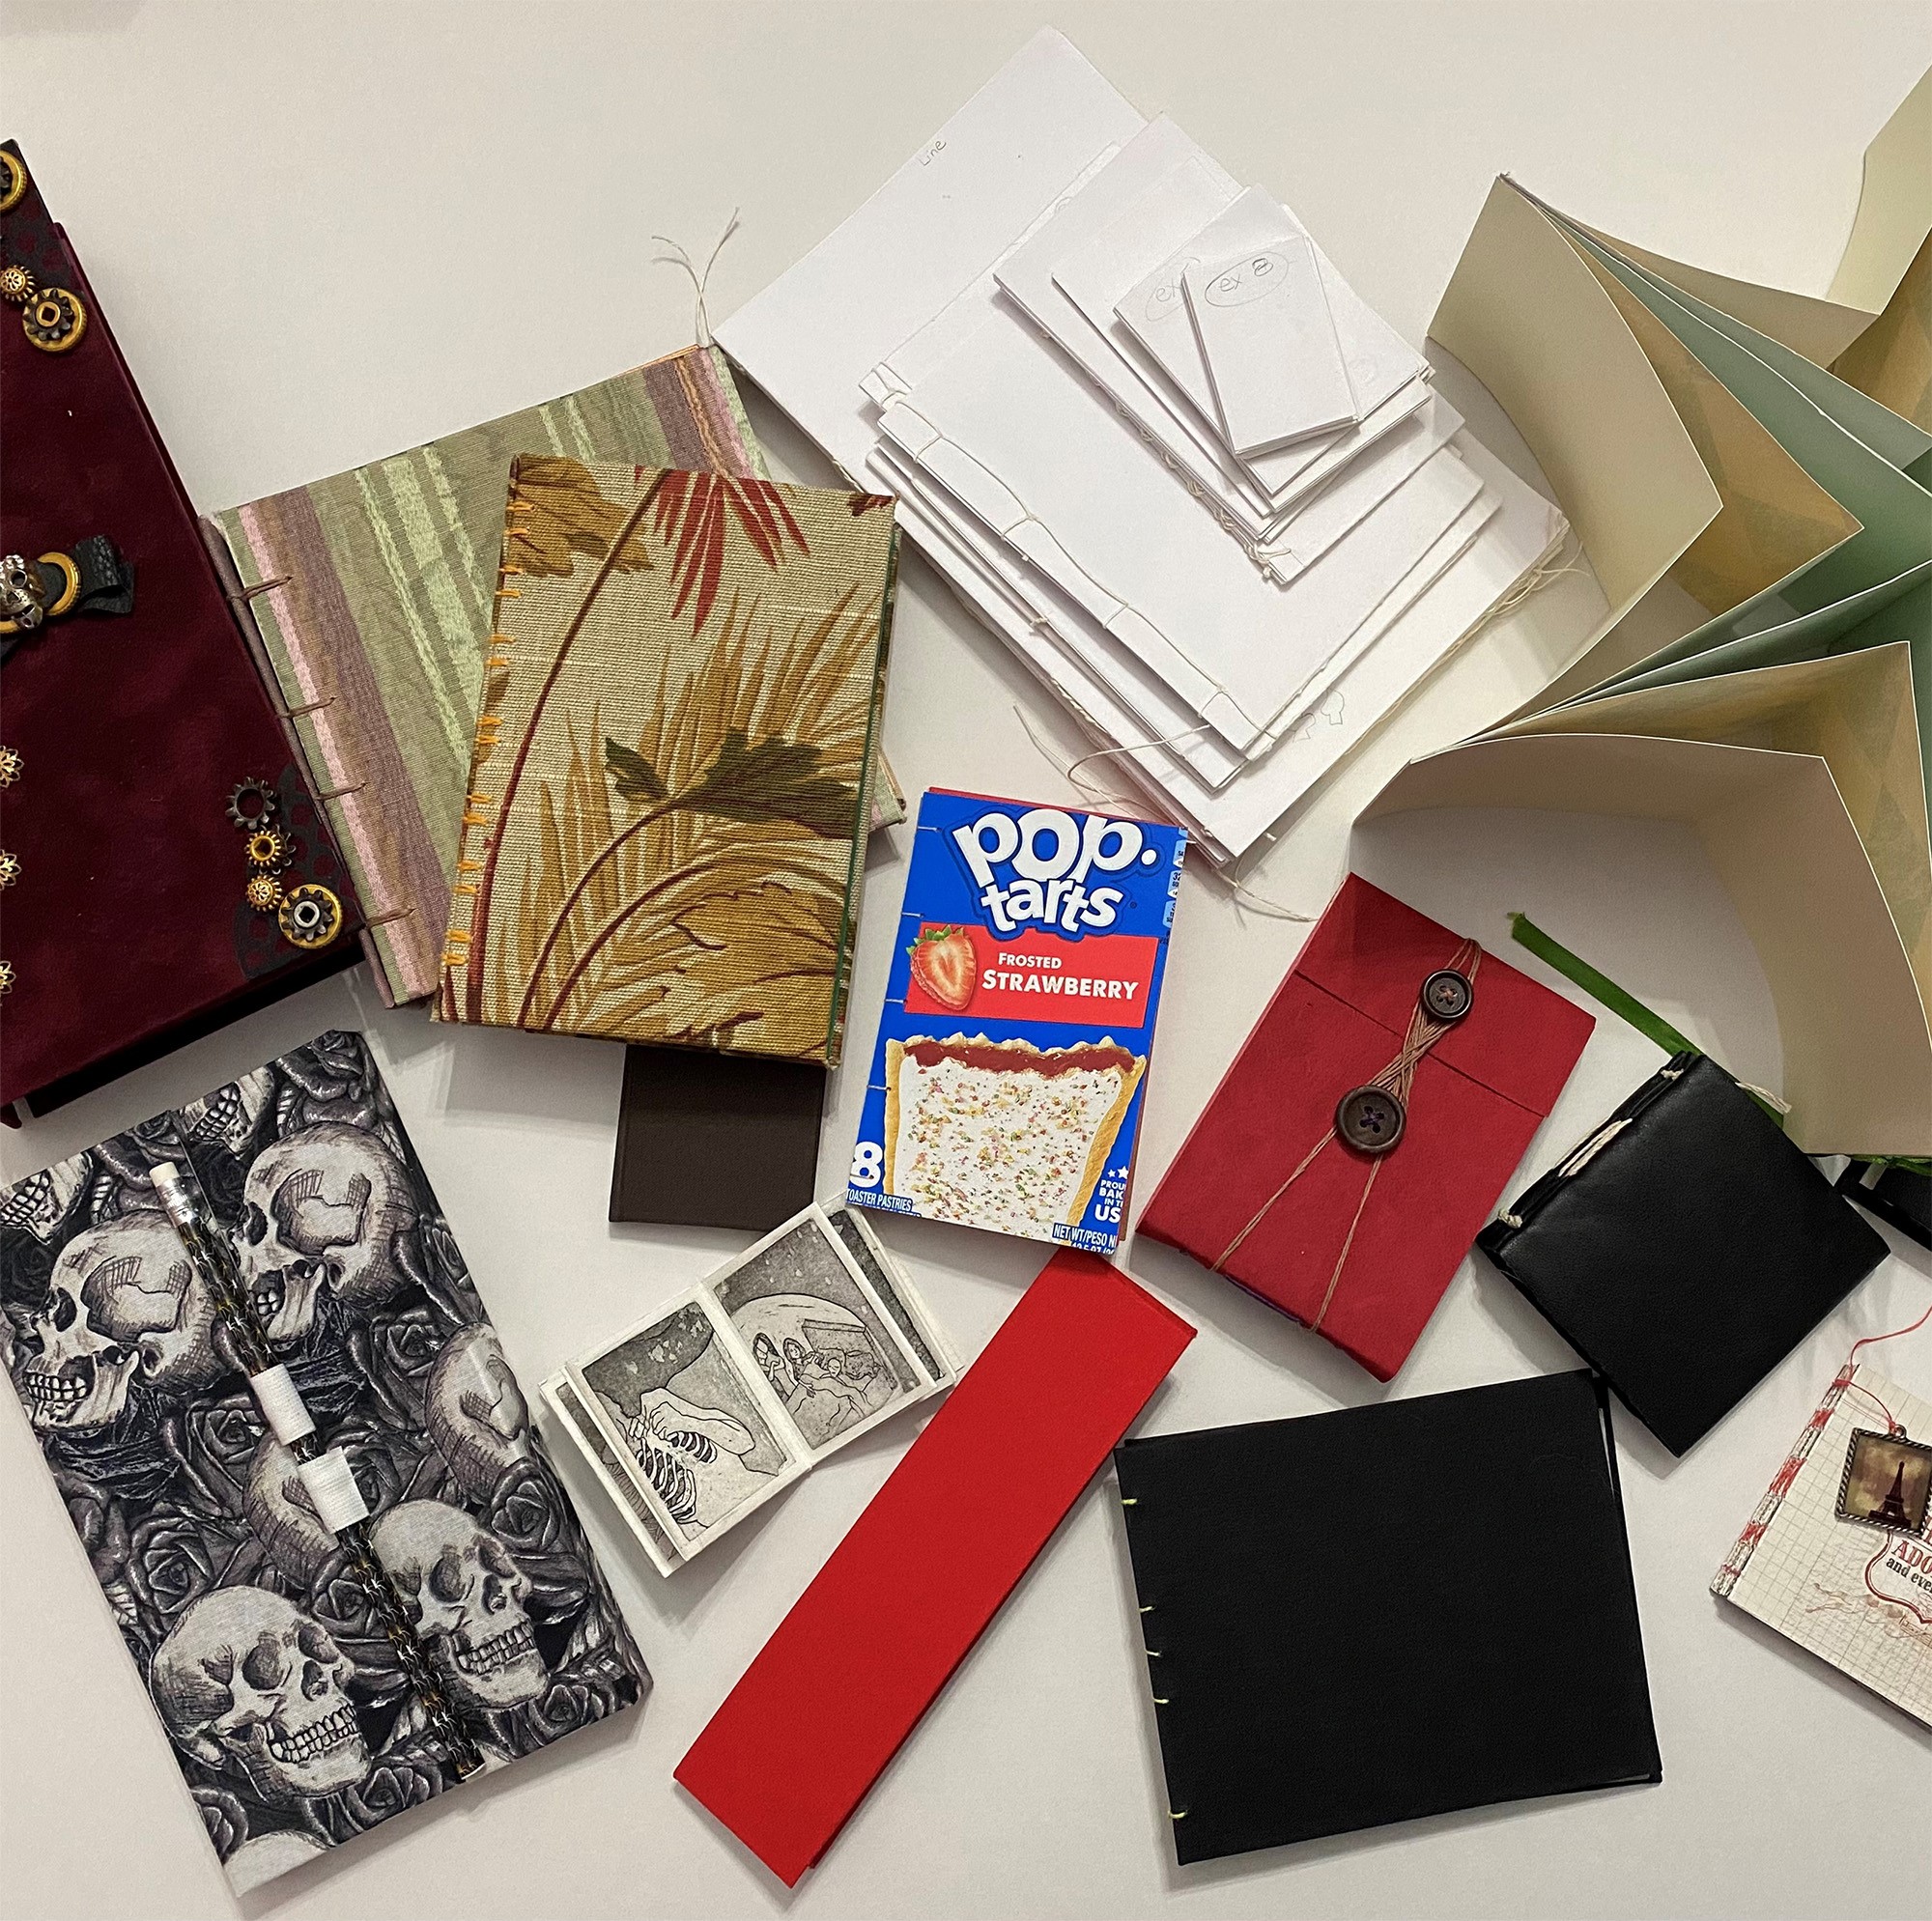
{"x": 665, "y": 813}
{"x": 284, "y": 1699}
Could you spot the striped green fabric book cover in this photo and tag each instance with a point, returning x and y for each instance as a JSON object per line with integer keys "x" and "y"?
{"x": 371, "y": 596}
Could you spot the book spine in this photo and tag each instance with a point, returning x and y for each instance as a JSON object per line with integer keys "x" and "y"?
{"x": 325, "y": 1471}
{"x": 461, "y": 997}
{"x": 1745, "y": 1545}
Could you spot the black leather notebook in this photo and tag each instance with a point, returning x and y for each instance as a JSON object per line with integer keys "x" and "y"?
{"x": 1684, "y": 1249}
{"x": 1386, "y": 1612}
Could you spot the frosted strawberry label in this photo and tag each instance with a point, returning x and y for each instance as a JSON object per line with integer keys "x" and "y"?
{"x": 1006, "y": 1086}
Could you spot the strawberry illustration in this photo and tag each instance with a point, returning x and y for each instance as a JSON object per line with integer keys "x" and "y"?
{"x": 945, "y": 966}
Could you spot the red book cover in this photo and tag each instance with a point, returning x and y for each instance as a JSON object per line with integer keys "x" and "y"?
{"x": 926, "y": 1566}
{"x": 1360, "y": 1247}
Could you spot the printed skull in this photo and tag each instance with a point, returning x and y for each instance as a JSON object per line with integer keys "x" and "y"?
{"x": 281, "y": 1514}
{"x": 475, "y": 1412}
{"x": 466, "y": 1595}
{"x": 123, "y": 1301}
{"x": 249, "y": 1683}
{"x": 322, "y": 1208}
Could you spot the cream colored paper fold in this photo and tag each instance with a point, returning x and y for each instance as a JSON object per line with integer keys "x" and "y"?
{"x": 1857, "y": 1053}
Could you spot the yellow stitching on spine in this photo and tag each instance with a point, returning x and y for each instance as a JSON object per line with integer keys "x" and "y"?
{"x": 469, "y": 866}
{"x": 463, "y": 887}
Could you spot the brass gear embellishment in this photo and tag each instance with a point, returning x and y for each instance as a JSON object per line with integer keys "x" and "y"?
{"x": 310, "y": 917}
{"x": 267, "y": 850}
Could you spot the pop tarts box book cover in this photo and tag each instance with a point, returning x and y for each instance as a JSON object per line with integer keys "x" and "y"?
{"x": 1011, "y": 1062}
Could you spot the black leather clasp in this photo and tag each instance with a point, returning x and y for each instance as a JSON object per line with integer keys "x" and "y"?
{"x": 91, "y": 577}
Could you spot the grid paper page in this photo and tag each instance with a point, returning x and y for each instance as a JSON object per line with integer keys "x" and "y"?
{"x": 1856, "y": 1594}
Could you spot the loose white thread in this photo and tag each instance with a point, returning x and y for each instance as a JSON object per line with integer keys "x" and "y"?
{"x": 677, "y": 257}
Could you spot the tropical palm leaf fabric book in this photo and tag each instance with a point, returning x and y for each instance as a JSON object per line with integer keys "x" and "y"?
{"x": 367, "y": 597}
{"x": 667, "y": 799}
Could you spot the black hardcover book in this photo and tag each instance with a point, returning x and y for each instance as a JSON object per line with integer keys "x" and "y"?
{"x": 1684, "y": 1249}
{"x": 1387, "y": 1612}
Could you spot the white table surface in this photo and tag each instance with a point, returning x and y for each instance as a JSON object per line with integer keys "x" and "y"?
{"x": 327, "y": 232}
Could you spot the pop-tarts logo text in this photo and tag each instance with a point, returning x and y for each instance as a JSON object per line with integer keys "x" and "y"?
{"x": 1034, "y": 868}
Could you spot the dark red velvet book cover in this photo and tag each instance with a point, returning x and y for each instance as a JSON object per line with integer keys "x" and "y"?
{"x": 126, "y": 928}
{"x": 923, "y": 1569}
{"x": 1338, "y": 1020}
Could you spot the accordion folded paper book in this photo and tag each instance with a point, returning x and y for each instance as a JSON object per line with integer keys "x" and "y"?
{"x": 667, "y": 799}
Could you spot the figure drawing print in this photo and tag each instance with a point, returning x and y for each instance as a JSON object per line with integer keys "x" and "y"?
{"x": 695, "y": 1417}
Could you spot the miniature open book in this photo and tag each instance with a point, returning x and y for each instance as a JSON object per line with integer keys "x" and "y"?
{"x": 738, "y": 1386}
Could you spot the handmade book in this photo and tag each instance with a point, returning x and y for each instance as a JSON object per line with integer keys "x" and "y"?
{"x": 164, "y": 864}
{"x": 1019, "y": 1018}
{"x": 1838, "y": 1555}
{"x": 1900, "y": 1195}
{"x": 904, "y": 1596}
{"x": 1684, "y": 1249}
{"x": 1293, "y": 1193}
{"x": 666, "y": 809}
{"x": 1303, "y": 1684}
{"x": 368, "y": 597}
{"x": 699, "y": 1414}
{"x": 306, "y": 1701}
{"x": 1749, "y": 472}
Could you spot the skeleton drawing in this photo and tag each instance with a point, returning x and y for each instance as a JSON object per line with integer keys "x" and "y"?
{"x": 475, "y": 1412}
{"x": 253, "y": 1685}
{"x": 467, "y": 1594}
{"x": 693, "y": 1457}
{"x": 324, "y": 1209}
{"x": 123, "y": 1304}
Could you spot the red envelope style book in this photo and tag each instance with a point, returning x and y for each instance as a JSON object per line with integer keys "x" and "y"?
{"x": 926, "y": 1566}
{"x": 136, "y": 742}
{"x": 1360, "y": 1246}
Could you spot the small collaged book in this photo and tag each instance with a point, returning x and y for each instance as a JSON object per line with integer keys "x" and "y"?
{"x": 696, "y": 1417}
{"x": 667, "y": 803}
{"x": 290, "y": 1711}
{"x": 1008, "y": 1078}
{"x": 1386, "y": 1612}
{"x": 1838, "y": 1556}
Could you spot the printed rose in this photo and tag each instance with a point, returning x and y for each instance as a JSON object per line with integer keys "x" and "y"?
{"x": 341, "y": 1602}
{"x": 396, "y": 1782}
{"x": 396, "y": 1351}
{"x": 227, "y": 1819}
{"x": 100, "y": 1521}
{"x": 176, "y": 1558}
{"x": 219, "y": 1440}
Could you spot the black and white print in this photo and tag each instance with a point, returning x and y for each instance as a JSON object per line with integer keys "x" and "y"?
{"x": 692, "y": 1417}
{"x": 925, "y": 1336}
{"x": 689, "y": 1421}
{"x": 820, "y": 1339}
{"x": 288, "y": 1713}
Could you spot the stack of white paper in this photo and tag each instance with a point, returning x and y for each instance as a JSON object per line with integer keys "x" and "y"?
{"x": 1001, "y": 337}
